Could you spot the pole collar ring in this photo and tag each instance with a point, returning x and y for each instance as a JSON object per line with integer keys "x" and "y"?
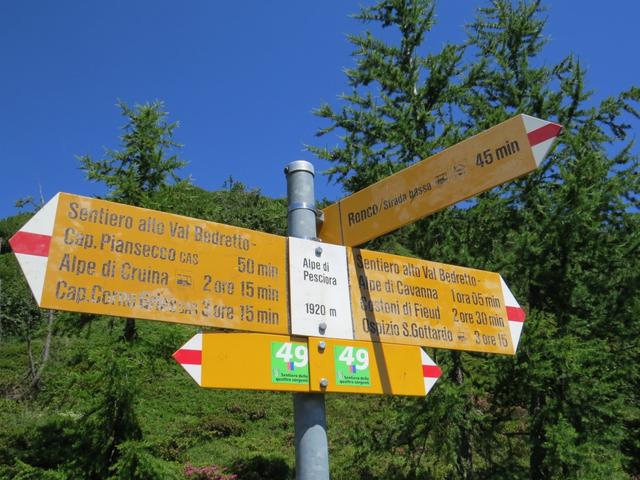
{"x": 301, "y": 206}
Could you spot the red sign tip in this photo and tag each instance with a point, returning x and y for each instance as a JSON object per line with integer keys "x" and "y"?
{"x": 542, "y": 134}
{"x": 431, "y": 371}
{"x": 188, "y": 357}
{"x": 30, "y": 243}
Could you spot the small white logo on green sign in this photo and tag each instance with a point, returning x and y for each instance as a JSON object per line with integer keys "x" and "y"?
{"x": 352, "y": 366}
{"x": 289, "y": 362}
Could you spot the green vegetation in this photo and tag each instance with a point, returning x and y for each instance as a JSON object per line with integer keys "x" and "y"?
{"x": 112, "y": 409}
{"x": 142, "y": 167}
{"x": 565, "y": 237}
{"x": 77, "y": 402}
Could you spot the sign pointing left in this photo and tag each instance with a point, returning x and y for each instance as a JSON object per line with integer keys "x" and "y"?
{"x": 88, "y": 255}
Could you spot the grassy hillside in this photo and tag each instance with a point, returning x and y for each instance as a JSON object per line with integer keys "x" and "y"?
{"x": 181, "y": 423}
{"x": 106, "y": 407}
{"x": 76, "y": 401}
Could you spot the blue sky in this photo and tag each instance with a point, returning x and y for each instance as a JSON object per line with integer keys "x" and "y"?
{"x": 242, "y": 78}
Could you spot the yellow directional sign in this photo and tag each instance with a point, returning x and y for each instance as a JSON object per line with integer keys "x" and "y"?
{"x": 502, "y": 153}
{"x": 408, "y": 301}
{"x": 254, "y": 361}
{"x": 88, "y": 255}
{"x": 349, "y": 366}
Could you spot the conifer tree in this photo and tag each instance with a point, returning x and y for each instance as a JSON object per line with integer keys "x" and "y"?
{"x": 573, "y": 221}
{"x": 565, "y": 238}
{"x": 145, "y": 163}
{"x": 142, "y": 167}
{"x": 397, "y": 110}
{"x": 111, "y": 420}
{"x": 400, "y": 111}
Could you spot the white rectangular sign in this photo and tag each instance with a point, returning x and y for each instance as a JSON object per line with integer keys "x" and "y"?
{"x": 319, "y": 290}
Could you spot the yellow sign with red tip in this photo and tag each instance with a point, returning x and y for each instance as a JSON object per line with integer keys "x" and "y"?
{"x": 88, "y": 255}
{"x": 350, "y": 366}
{"x": 502, "y": 153}
{"x": 409, "y": 301}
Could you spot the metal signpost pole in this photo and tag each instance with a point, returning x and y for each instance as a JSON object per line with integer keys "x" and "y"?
{"x": 312, "y": 450}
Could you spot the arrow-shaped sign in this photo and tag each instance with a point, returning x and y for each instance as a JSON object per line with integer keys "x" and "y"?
{"x": 349, "y": 366}
{"x": 88, "y": 255}
{"x": 410, "y": 301}
{"x": 247, "y": 361}
{"x": 502, "y": 153}
{"x": 276, "y": 362}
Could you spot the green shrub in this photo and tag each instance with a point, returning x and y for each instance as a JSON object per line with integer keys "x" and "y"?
{"x": 24, "y": 471}
{"x": 262, "y": 468}
{"x": 136, "y": 462}
{"x": 214, "y": 426}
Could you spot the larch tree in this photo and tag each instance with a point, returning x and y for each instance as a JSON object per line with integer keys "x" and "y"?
{"x": 146, "y": 162}
{"x": 565, "y": 238}
{"x": 401, "y": 110}
{"x": 571, "y": 226}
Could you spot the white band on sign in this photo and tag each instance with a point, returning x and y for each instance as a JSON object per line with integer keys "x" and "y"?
{"x": 319, "y": 290}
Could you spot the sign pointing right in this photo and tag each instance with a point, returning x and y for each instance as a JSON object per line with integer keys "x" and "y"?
{"x": 507, "y": 151}
{"x": 409, "y": 301}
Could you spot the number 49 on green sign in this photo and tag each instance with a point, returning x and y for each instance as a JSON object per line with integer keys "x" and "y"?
{"x": 352, "y": 366}
{"x": 289, "y": 362}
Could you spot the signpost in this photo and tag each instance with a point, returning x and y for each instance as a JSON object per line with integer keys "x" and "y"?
{"x": 88, "y": 255}
{"x": 254, "y": 361}
{"x": 366, "y": 314}
{"x": 502, "y": 153}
